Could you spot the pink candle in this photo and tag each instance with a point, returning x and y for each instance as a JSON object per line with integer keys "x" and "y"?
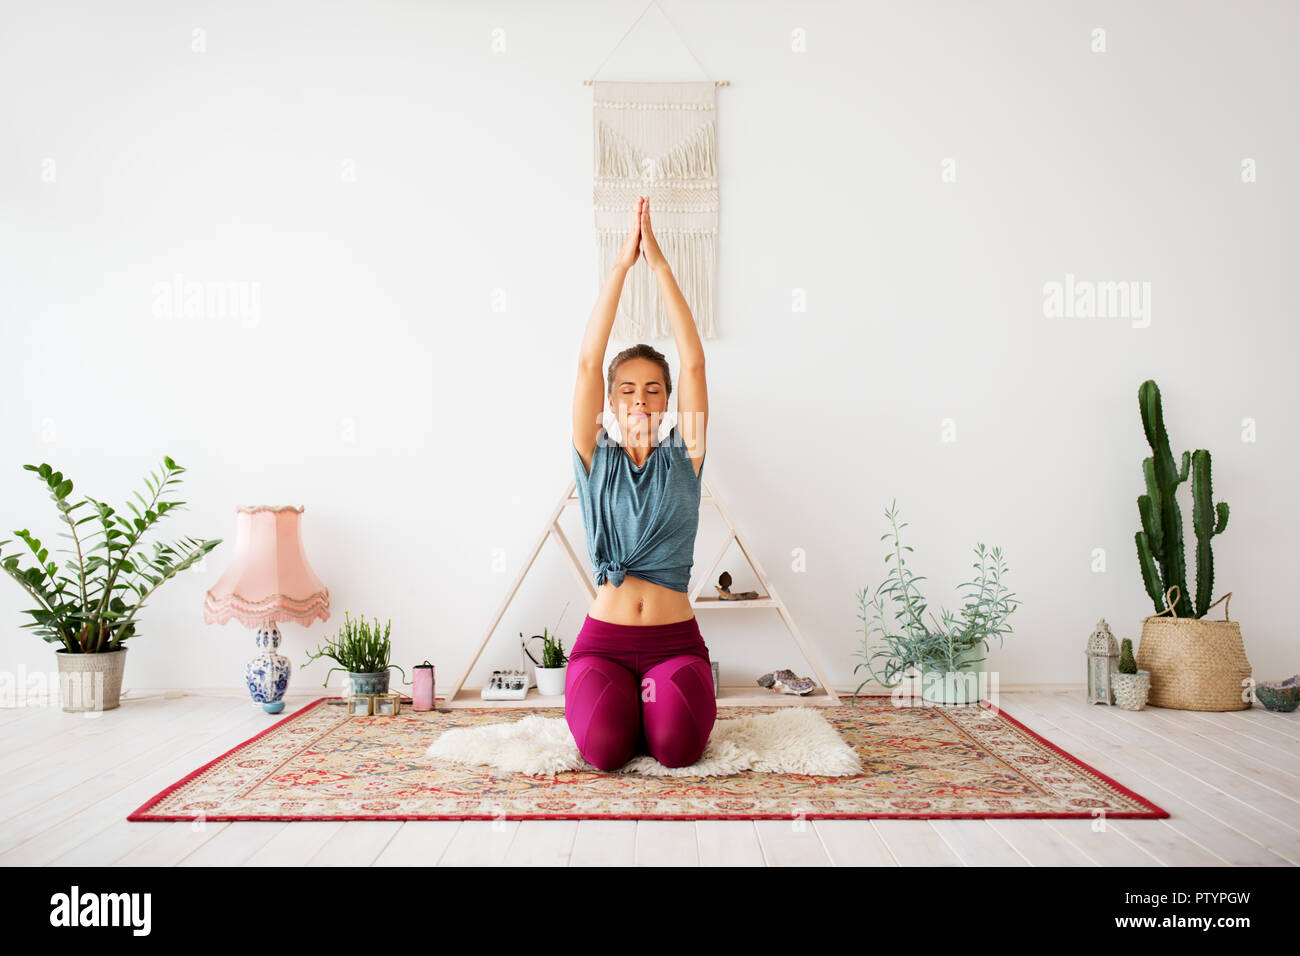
{"x": 422, "y": 687}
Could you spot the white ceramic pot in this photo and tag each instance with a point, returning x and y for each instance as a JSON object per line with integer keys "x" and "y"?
{"x": 550, "y": 680}
{"x": 1131, "y": 690}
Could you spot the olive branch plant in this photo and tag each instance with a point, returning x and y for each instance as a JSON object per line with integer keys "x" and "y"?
{"x": 90, "y": 604}
{"x": 916, "y": 646}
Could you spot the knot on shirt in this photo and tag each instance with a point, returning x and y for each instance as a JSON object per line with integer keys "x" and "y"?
{"x": 613, "y": 572}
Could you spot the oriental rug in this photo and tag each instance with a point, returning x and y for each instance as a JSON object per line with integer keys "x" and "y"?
{"x": 918, "y": 762}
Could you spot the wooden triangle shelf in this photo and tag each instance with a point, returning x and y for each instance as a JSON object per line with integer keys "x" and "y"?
{"x": 728, "y": 695}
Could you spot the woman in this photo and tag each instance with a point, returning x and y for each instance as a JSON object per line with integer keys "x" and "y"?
{"x": 639, "y": 675}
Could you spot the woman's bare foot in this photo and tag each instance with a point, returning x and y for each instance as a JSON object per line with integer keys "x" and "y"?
{"x": 649, "y": 245}
{"x": 631, "y": 250}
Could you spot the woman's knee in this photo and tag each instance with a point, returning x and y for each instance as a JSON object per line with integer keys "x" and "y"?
{"x": 679, "y": 709}
{"x": 601, "y": 708}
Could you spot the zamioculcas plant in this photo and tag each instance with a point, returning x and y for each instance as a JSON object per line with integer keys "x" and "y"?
{"x": 90, "y": 604}
{"x": 1160, "y": 542}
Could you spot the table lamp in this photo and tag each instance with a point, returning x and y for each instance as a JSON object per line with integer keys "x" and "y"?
{"x": 268, "y": 580}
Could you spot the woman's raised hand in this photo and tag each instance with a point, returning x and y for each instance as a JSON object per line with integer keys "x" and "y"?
{"x": 631, "y": 250}
{"x": 649, "y": 245}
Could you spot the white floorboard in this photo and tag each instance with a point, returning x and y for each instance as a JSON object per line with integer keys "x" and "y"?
{"x": 1229, "y": 780}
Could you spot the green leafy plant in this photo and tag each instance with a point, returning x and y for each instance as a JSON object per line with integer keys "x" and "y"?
{"x": 1161, "y": 554}
{"x": 359, "y": 648}
{"x": 917, "y": 646}
{"x": 552, "y": 650}
{"x": 90, "y": 604}
{"x": 1126, "y": 663}
{"x": 552, "y": 647}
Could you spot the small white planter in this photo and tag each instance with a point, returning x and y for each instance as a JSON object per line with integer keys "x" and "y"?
{"x": 550, "y": 680}
{"x": 1131, "y": 690}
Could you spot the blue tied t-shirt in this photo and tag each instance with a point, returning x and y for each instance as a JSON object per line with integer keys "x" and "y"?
{"x": 640, "y": 521}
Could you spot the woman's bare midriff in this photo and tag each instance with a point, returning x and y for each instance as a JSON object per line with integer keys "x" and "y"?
{"x": 637, "y": 601}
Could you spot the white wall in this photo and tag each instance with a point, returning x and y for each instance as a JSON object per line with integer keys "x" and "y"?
{"x": 428, "y": 435}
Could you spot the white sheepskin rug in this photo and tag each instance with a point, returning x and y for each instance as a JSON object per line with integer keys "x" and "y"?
{"x": 788, "y": 740}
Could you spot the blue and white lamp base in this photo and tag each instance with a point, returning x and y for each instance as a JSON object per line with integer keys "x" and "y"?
{"x": 267, "y": 674}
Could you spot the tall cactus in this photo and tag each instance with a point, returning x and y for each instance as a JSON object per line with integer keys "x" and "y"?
{"x": 1161, "y": 553}
{"x": 1203, "y": 519}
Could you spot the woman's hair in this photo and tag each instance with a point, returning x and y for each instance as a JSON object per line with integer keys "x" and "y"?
{"x": 645, "y": 352}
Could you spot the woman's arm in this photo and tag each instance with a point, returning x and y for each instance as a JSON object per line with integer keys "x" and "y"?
{"x": 589, "y": 390}
{"x": 692, "y": 388}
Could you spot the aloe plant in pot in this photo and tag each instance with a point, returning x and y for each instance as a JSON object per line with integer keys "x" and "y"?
{"x": 89, "y": 605}
{"x": 362, "y": 651}
{"x": 946, "y": 658}
{"x": 552, "y": 669}
{"x": 553, "y": 666}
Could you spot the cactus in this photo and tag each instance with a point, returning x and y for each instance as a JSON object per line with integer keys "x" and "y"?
{"x": 1204, "y": 516}
{"x": 1161, "y": 553}
{"x": 1126, "y": 663}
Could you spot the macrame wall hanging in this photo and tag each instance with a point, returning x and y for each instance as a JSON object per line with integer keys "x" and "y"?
{"x": 658, "y": 140}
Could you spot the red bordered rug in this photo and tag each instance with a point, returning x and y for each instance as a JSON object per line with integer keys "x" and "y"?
{"x": 921, "y": 762}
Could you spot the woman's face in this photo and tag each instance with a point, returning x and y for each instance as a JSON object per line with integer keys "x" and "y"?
{"x": 639, "y": 400}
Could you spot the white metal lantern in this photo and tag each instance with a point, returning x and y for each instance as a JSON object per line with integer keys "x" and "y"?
{"x": 1103, "y": 660}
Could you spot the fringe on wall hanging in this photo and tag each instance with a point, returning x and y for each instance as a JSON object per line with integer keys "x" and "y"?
{"x": 658, "y": 140}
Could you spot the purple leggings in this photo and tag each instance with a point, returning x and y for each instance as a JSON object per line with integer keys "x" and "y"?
{"x": 633, "y": 688}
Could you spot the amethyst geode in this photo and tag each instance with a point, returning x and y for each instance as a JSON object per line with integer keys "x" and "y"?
{"x": 1281, "y": 696}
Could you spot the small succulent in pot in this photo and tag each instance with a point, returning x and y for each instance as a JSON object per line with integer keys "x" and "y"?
{"x": 1130, "y": 685}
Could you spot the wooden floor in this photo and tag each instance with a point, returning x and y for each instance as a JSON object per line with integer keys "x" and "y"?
{"x": 1229, "y": 781}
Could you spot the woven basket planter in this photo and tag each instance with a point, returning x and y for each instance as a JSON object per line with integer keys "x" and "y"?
{"x": 1195, "y": 664}
{"x": 90, "y": 681}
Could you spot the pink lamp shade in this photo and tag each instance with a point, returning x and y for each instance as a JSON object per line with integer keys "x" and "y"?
{"x": 269, "y": 578}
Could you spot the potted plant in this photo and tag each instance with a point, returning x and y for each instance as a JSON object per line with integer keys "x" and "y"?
{"x": 89, "y": 605}
{"x": 362, "y": 652}
{"x": 1195, "y": 664}
{"x": 1129, "y": 684}
{"x": 946, "y": 658}
{"x": 553, "y": 666}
